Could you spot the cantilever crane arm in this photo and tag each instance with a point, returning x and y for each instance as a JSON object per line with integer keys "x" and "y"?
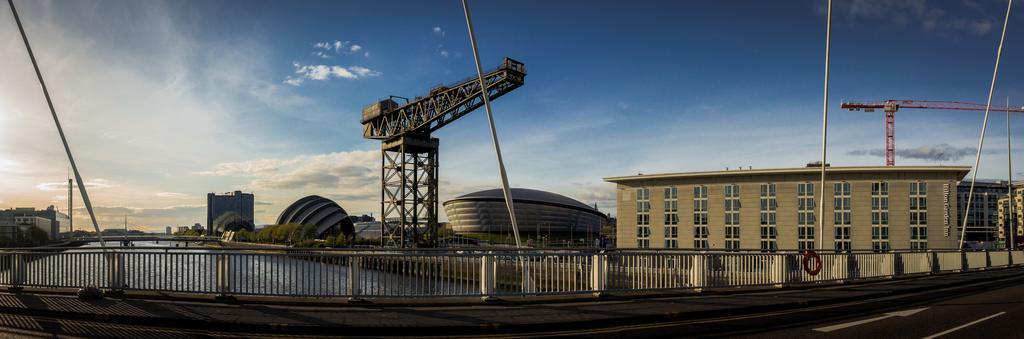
{"x": 443, "y": 105}
{"x": 925, "y": 104}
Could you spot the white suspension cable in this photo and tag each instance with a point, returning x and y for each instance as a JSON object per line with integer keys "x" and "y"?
{"x": 490, "y": 121}
{"x": 824, "y": 132}
{"x": 984, "y": 126}
{"x": 63, "y": 139}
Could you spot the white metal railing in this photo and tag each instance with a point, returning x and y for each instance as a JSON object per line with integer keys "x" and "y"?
{"x": 459, "y": 273}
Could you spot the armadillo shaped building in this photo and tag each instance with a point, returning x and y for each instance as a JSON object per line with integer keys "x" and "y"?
{"x": 325, "y": 214}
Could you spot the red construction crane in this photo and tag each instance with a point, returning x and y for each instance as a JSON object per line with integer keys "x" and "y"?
{"x": 891, "y": 106}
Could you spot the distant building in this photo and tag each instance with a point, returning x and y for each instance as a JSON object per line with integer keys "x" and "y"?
{"x": 58, "y": 220}
{"x": 236, "y": 206}
{"x": 368, "y": 230}
{"x": 866, "y": 208}
{"x": 982, "y": 222}
{"x": 362, "y": 218}
{"x": 1011, "y": 227}
{"x": 168, "y": 232}
{"x": 197, "y": 227}
{"x": 183, "y": 229}
{"x": 17, "y": 230}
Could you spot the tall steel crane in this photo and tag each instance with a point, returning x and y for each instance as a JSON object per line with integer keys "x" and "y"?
{"x": 409, "y": 164}
{"x": 891, "y": 106}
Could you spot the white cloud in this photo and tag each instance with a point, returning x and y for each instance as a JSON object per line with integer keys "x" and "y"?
{"x": 63, "y": 186}
{"x": 256, "y": 167}
{"x": 323, "y": 45}
{"x": 441, "y": 50}
{"x": 171, "y": 195}
{"x": 292, "y": 81}
{"x": 934, "y": 153}
{"x": 322, "y": 55}
{"x": 163, "y": 110}
{"x": 326, "y": 72}
{"x": 345, "y": 175}
{"x": 919, "y": 12}
{"x": 363, "y": 71}
{"x": 337, "y": 46}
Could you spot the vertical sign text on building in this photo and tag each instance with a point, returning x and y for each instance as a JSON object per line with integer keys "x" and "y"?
{"x": 945, "y": 210}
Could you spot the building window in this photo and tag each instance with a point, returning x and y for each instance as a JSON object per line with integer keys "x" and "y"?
{"x": 732, "y": 217}
{"x": 805, "y": 216}
{"x": 918, "y": 215}
{"x": 643, "y": 217}
{"x": 769, "y": 232}
{"x": 842, "y": 222}
{"x": 700, "y": 217}
{"x": 671, "y": 217}
{"x": 879, "y": 216}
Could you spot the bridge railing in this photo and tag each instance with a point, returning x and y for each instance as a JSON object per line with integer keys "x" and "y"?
{"x": 451, "y": 273}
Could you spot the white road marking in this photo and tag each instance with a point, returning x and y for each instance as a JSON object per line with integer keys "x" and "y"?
{"x": 905, "y": 313}
{"x": 963, "y": 326}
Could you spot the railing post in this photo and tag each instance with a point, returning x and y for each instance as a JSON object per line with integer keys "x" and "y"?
{"x": 487, "y": 268}
{"x": 698, "y": 271}
{"x": 964, "y": 264}
{"x": 599, "y": 273}
{"x": 891, "y": 266}
{"x": 115, "y": 271}
{"x": 933, "y": 262}
{"x": 352, "y": 277}
{"x": 778, "y": 269}
{"x": 223, "y": 274}
{"x": 17, "y": 271}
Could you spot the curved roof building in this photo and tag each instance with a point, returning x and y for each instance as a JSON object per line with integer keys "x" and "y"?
{"x": 485, "y": 211}
{"x": 327, "y": 215}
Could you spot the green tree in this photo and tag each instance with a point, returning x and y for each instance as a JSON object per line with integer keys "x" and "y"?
{"x": 243, "y": 235}
{"x": 309, "y": 232}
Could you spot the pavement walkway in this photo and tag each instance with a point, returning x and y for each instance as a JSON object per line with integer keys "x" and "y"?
{"x": 351, "y": 319}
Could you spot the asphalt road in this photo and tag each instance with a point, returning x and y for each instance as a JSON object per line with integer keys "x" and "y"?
{"x": 993, "y": 309}
{"x": 992, "y": 313}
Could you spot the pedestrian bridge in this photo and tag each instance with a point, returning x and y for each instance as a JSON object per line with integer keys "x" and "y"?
{"x": 463, "y": 273}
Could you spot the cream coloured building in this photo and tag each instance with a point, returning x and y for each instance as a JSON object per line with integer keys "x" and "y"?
{"x": 873, "y": 207}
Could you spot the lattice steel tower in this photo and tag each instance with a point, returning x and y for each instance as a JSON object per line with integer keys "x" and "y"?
{"x": 409, "y": 163}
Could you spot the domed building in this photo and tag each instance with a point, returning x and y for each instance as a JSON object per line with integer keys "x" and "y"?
{"x": 536, "y": 211}
{"x": 325, "y": 214}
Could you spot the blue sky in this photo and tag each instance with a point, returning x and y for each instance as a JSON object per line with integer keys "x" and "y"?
{"x": 166, "y": 101}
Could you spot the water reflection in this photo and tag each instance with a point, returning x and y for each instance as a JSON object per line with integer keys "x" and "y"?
{"x": 167, "y": 266}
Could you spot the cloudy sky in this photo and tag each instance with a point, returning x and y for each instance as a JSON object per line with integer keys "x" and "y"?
{"x": 164, "y": 102}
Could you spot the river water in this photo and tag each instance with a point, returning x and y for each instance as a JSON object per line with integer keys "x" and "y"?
{"x": 154, "y": 266}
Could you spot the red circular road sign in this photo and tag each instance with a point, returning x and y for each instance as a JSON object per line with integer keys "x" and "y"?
{"x": 811, "y": 263}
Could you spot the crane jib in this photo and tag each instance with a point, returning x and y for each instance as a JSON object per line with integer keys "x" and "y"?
{"x": 387, "y": 119}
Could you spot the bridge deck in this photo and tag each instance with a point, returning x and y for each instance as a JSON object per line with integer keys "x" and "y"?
{"x": 382, "y": 319}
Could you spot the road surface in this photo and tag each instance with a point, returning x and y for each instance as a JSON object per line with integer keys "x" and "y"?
{"x": 992, "y": 309}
